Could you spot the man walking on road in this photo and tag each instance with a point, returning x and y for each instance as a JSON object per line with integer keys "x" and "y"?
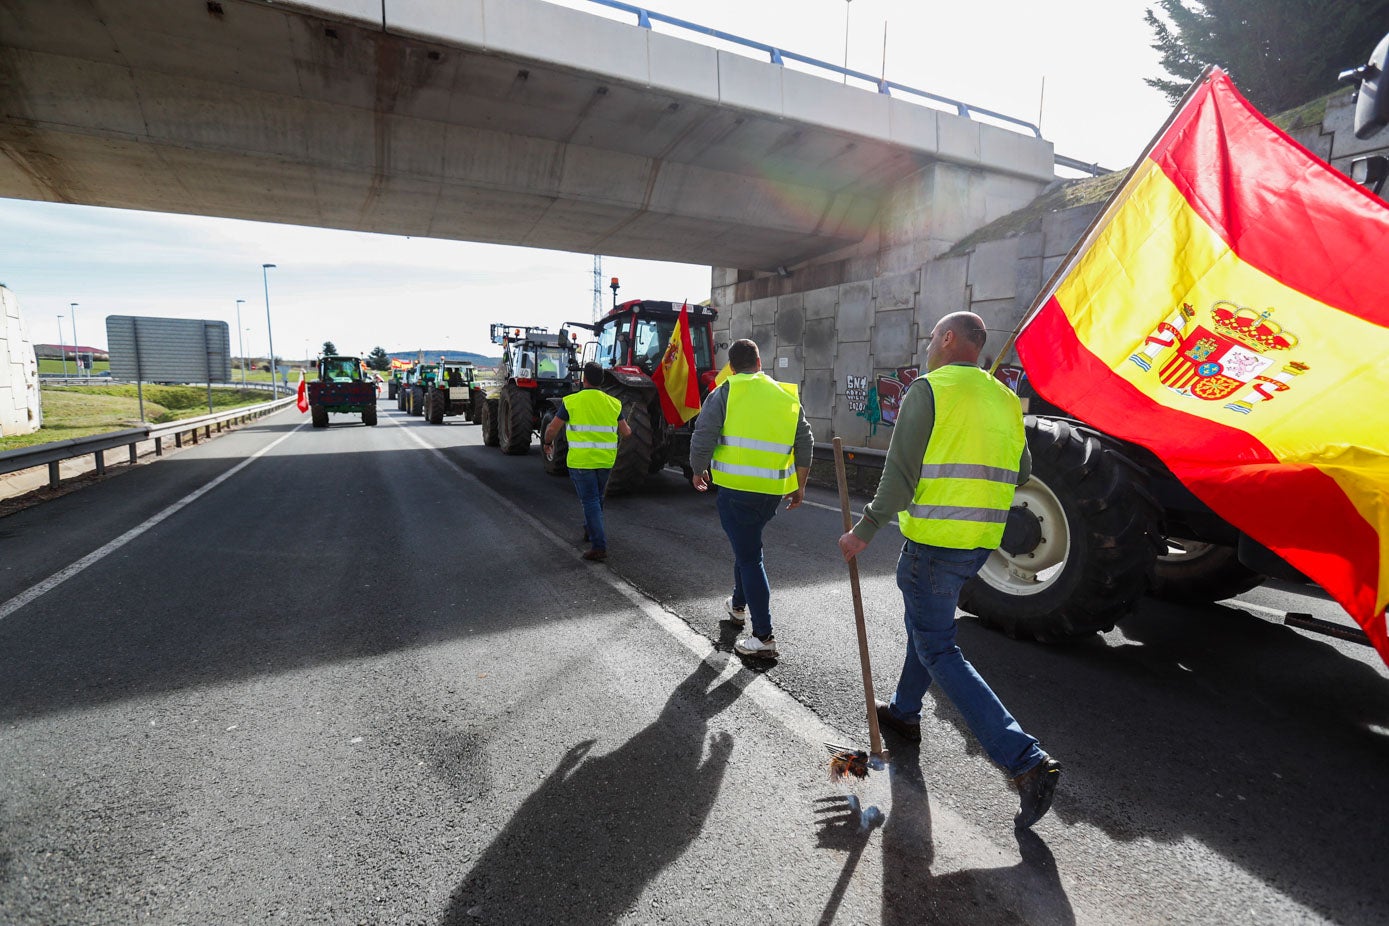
{"x": 753, "y": 436}
{"x": 595, "y": 422}
{"x": 958, "y": 452}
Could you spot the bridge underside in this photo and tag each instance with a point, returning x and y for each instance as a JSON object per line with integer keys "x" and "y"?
{"x": 319, "y": 117}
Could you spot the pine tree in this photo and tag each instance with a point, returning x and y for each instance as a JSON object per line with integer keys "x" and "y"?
{"x": 329, "y": 348}
{"x": 378, "y": 359}
{"x": 1280, "y": 53}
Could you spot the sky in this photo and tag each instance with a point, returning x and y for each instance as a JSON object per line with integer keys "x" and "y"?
{"x": 1076, "y": 67}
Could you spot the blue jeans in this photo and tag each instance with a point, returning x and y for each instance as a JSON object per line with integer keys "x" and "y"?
{"x": 743, "y": 515}
{"x": 590, "y": 483}
{"x": 930, "y": 579}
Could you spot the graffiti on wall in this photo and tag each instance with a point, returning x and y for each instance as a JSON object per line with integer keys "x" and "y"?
{"x": 880, "y": 402}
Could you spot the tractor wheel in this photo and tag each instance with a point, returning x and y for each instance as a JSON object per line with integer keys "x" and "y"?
{"x": 490, "y": 438}
{"x": 557, "y": 457}
{"x": 319, "y": 414}
{"x": 417, "y": 399}
{"x": 1193, "y": 572}
{"x": 1080, "y": 544}
{"x": 517, "y": 420}
{"x": 369, "y": 416}
{"x": 435, "y": 407}
{"x": 633, "y": 453}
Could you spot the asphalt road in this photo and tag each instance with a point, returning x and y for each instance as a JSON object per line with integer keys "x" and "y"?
{"x": 362, "y": 675}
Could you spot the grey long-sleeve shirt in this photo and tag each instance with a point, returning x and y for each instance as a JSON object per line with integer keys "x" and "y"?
{"x": 709, "y": 426}
{"x": 902, "y": 469}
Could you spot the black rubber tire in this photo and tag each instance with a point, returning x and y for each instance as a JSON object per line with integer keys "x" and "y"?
{"x": 369, "y": 417}
{"x": 392, "y": 390}
{"x": 490, "y": 438}
{"x": 436, "y": 406}
{"x": 633, "y": 453}
{"x": 1111, "y": 536}
{"x": 517, "y": 420}
{"x": 1205, "y": 572}
{"x": 319, "y": 414}
{"x": 472, "y": 410}
{"x": 556, "y": 460}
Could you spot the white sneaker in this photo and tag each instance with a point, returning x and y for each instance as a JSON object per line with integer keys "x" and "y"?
{"x": 759, "y": 649}
{"x": 737, "y": 616}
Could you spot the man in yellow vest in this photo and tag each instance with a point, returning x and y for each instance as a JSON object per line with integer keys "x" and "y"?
{"x": 594, "y": 421}
{"x": 753, "y": 436}
{"x": 958, "y": 451}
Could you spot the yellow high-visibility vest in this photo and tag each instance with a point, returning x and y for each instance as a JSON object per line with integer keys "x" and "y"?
{"x": 970, "y": 468}
{"x": 756, "y": 452}
{"x": 592, "y": 428}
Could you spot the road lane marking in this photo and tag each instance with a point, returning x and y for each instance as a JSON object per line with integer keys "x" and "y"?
{"x": 62, "y": 575}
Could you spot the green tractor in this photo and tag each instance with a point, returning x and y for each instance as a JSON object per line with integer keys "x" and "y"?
{"x": 341, "y": 387}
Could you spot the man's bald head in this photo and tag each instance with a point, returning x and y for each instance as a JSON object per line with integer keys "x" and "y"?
{"x": 957, "y": 338}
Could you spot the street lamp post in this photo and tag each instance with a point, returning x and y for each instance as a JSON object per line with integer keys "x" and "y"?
{"x": 265, "y": 278}
{"x": 240, "y": 346}
{"x": 76, "y": 350}
{"x": 846, "y": 38}
{"x": 62, "y": 347}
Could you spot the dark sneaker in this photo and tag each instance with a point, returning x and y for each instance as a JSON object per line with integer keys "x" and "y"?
{"x": 759, "y": 649}
{"x": 1036, "y": 787}
{"x": 736, "y": 616}
{"x": 596, "y": 556}
{"x": 911, "y": 732}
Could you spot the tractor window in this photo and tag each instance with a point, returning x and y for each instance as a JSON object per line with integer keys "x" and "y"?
{"x": 607, "y": 341}
{"x": 653, "y": 335}
{"x": 551, "y": 363}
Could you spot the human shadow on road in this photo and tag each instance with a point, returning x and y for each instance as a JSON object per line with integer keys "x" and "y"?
{"x": 584, "y": 845}
{"x": 1029, "y": 892}
{"x": 1209, "y": 724}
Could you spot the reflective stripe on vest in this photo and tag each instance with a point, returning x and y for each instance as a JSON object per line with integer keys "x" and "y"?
{"x": 756, "y": 452}
{"x": 593, "y": 419}
{"x": 970, "y": 468}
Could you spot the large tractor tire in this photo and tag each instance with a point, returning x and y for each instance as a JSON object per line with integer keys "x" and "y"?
{"x": 1080, "y": 545}
{"x": 369, "y": 416}
{"x": 490, "y": 437}
{"x": 557, "y": 457}
{"x": 517, "y": 420}
{"x": 319, "y": 414}
{"x": 434, "y": 409}
{"x": 1193, "y": 572}
{"x": 634, "y": 453}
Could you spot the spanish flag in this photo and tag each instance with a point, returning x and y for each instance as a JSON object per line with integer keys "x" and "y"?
{"x": 1228, "y": 311}
{"x": 676, "y": 377}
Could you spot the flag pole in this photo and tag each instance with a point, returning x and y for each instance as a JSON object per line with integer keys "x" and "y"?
{"x": 1101, "y": 217}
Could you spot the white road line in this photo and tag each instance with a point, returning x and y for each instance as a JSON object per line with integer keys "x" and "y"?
{"x": 62, "y": 575}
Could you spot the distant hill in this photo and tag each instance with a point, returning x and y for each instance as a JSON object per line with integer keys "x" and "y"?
{"x": 475, "y": 359}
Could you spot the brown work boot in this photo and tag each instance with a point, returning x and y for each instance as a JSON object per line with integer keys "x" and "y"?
{"x": 911, "y": 732}
{"x": 596, "y": 556}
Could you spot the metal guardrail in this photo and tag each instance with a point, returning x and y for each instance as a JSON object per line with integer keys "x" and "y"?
{"x": 779, "y": 56}
{"x": 52, "y": 454}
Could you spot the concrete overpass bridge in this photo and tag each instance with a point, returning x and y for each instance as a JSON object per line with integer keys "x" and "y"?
{"x": 509, "y": 121}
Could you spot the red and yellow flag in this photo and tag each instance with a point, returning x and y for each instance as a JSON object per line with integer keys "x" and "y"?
{"x": 1228, "y": 312}
{"x": 676, "y": 377}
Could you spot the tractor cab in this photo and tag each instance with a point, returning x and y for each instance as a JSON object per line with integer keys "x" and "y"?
{"x": 633, "y": 336}
{"x": 334, "y": 369}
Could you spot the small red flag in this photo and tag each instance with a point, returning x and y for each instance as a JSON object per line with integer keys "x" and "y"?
{"x": 303, "y": 399}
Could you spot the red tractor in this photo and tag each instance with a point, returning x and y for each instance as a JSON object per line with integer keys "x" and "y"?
{"x": 628, "y": 342}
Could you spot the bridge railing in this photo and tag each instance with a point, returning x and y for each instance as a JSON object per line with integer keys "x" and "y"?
{"x": 54, "y": 453}
{"x": 780, "y": 56}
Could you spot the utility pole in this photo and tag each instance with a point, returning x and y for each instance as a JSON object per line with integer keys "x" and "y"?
{"x": 240, "y": 345}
